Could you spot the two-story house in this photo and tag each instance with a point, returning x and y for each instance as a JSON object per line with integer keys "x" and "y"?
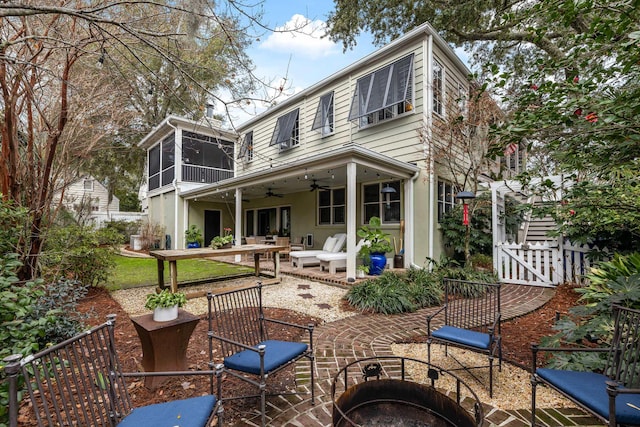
{"x": 354, "y": 145}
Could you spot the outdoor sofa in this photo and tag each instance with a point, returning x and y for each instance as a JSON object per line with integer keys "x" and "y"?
{"x": 333, "y": 261}
{"x": 333, "y": 244}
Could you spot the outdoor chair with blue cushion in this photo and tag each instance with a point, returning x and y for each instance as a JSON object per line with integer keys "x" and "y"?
{"x": 79, "y": 383}
{"x": 469, "y": 318}
{"x": 612, "y": 395}
{"x": 237, "y": 321}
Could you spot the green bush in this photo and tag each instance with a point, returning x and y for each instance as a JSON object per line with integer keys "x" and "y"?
{"x": 610, "y": 282}
{"x": 79, "y": 253}
{"x": 21, "y": 330}
{"x": 124, "y": 228}
{"x": 394, "y": 292}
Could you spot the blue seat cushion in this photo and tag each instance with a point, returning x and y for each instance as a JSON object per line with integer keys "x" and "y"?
{"x": 193, "y": 412}
{"x": 276, "y": 354}
{"x": 463, "y": 336}
{"x": 590, "y": 390}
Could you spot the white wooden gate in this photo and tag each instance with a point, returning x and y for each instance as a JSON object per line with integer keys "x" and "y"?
{"x": 541, "y": 263}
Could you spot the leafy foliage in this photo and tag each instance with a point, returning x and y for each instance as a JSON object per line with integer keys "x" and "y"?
{"x": 377, "y": 241}
{"x": 79, "y": 253}
{"x": 124, "y": 228}
{"x": 611, "y": 282}
{"x": 394, "y": 292}
{"x": 165, "y": 299}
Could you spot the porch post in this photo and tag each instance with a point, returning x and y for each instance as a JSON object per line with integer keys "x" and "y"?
{"x": 351, "y": 221}
{"x": 238, "y": 225}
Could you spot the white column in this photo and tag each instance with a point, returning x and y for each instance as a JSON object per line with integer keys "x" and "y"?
{"x": 238, "y": 225}
{"x": 351, "y": 221}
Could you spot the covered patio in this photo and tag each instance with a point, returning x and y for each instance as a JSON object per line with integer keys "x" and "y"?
{"x": 347, "y": 167}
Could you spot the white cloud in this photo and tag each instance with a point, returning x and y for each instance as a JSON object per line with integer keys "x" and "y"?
{"x": 301, "y": 36}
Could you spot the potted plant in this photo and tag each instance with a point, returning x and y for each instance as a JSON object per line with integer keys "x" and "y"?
{"x": 223, "y": 241}
{"x": 193, "y": 236}
{"x": 362, "y": 270}
{"x": 378, "y": 243}
{"x": 165, "y": 304}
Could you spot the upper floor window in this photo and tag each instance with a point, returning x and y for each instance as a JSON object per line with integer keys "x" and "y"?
{"x": 385, "y": 206}
{"x": 384, "y": 94}
{"x": 463, "y": 95}
{"x": 324, "y": 115}
{"x": 246, "y": 149}
{"x": 208, "y": 151}
{"x": 438, "y": 88}
{"x": 161, "y": 163}
{"x": 88, "y": 184}
{"x": 446, "y": 198}
{"x": 331, "y": 206}
{"x": 514, "y": 158}
{"x": 287, "y": 131}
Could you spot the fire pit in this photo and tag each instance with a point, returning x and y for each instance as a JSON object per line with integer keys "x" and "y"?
{"x": 398, "y": 402}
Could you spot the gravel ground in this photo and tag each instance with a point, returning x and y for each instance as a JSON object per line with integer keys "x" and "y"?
{"x": 511, "y": 387}
{"x": 305, "y": 296}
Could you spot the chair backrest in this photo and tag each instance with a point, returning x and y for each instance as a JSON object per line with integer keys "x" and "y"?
{"x": 282, "y": 241}
{"x": 623, "y": 362}
{"x": 76, "y": 382}
{"x": 237, "y": 315}
{"x": 341, "y": 239}
{"x": 472, "y": 305}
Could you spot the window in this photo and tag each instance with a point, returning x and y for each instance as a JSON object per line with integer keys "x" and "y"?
{"x": 161, "y": 163}
{"x": 446, "y": 198}
{"x": 331, "y": 206}
{"x": 377, "y": 204}
{"x": 88, "y": 185}
{"x": 383, "y": 94}
{"x": 438, "y": 88}
{"x": 287, "y": 131}
{"x": 208, "y": 151}
{"x": 462, "y": 100}
{"x": 324, "y": 115}
{"x": 246, "y": 149}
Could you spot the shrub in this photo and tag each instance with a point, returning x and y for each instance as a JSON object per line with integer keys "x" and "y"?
{"x": 124, "y": 228}
{"x": 610, "y": 282}
{"x": 395, "y": 292}
{"x": 21, "y": 330}
{"x": 79, "y": 253}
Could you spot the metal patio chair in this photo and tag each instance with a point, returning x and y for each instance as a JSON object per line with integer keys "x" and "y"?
{"x": 612, "y": 395}
{"x": 469, "y": 318}
{"x": 79, "y": 383}
{"x": 237, "y": 321}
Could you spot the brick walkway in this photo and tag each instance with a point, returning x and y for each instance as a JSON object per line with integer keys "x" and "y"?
{"x": 344, "y": 341}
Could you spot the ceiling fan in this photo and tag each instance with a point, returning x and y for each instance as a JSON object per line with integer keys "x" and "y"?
{"x": 315, "y": 186}
{"x": 270, "y": 193}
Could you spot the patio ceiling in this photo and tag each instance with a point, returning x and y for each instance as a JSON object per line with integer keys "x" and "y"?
{"x": 329, "y": 170}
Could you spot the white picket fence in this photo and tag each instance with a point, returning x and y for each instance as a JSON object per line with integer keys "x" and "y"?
{"x": 541, "y": 263}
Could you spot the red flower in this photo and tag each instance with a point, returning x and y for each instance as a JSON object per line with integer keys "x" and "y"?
{"x": 591, "y": 117}
{"x": 578, "y": 112}
{"x": 534, "y": 86}
{"x": 572, "y": 212}
{"x": 576, "y": 79}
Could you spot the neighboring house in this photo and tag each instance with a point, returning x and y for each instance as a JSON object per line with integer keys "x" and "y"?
{"x": 88, "y": 200}
{"x": 87, "y": 194}
{"x": 325, "y": 160}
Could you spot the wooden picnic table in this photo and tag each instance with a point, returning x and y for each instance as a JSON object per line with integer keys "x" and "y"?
{"x": 174, "y": 255}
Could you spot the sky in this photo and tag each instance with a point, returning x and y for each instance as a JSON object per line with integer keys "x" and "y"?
{"x": 303, "y": 58}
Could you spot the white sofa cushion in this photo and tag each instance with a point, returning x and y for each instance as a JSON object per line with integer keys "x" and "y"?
{"x": 329, "y": 244}
{"x": 341, "y": 239}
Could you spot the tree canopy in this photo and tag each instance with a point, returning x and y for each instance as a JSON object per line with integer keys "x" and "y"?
{"x": 81, "y": 81}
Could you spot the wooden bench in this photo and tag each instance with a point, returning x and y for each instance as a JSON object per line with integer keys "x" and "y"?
{"x": 612, "y": 395}
{"x": 470, "y": 318}
{"x": 79, "y": 383}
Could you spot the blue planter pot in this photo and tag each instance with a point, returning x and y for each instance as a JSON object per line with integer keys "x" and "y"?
{"x": 193, "y": 245}
{"x": 377, "y": 262}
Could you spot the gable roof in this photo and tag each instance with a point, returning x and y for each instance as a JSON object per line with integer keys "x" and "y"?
{"x": 423, "y": 30}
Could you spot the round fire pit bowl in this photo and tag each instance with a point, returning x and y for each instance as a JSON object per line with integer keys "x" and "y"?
{"x": 377, "y": 393}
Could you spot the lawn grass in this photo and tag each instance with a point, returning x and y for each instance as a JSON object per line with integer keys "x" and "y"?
{"x": 132, "y": 272}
